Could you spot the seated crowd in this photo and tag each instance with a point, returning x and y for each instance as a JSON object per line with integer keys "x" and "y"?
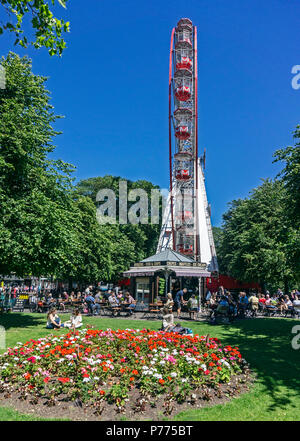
{"x": 224, "y": 303}
{"x": 90, "y": 301}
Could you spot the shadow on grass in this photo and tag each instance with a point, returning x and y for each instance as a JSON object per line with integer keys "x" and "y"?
{"x": 21, "y": 320}
{"x": 267, "y": 345}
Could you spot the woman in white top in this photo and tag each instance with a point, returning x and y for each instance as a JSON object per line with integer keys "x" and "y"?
{"x": 75, "y": 320}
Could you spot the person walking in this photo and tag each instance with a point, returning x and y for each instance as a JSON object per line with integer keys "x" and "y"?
{"x": 179, "y": 300}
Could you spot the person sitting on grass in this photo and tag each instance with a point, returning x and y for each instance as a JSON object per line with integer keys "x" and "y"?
{"x": 53, "y": 320}
{"x": 167, "y": 313}
{"x": 192, "y": 306}
{"x": 75, "y": 320}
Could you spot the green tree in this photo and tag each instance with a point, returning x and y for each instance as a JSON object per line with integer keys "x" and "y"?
{"x": 290, "y": 176}
{"x": 35, "y": 192}
{"x": 144, "y": 236}
{"x": 46, "y": 228}
{"x": 48, "y": 30}
{"x": 257, "y": 242}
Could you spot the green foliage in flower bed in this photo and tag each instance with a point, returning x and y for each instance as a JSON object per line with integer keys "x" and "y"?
{"x": 92, "y": 366}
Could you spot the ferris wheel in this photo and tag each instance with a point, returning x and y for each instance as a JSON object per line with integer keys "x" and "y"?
{"x": 183, "y": 138}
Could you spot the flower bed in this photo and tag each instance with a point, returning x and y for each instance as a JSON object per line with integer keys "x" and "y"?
{"x": 97, "y": 368}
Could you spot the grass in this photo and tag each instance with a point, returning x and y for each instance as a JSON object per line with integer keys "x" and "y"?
{"x": 265, "y": 343}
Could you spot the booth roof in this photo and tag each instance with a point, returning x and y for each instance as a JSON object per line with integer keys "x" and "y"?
{"x": 168, "y": 255}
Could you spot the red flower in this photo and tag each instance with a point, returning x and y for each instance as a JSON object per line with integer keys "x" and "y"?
{"x": 161, "y": 381}
{"x": 46, "y": 379}
{"x": 64, "y": 380}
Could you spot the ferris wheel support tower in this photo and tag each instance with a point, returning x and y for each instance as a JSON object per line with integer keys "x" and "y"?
{"x": 186, "y": 226}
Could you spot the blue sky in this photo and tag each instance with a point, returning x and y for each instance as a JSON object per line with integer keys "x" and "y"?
{"x": 112, "y": 86}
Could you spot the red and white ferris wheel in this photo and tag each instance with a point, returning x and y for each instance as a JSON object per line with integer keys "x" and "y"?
{"x": 183, "y": 138}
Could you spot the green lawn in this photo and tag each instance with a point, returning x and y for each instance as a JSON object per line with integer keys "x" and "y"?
{"x": 265, "y": 343}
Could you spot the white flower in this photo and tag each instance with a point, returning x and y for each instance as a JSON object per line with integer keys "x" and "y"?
{"x": 173, "y": 374}
{"x": 85, "y": 380}
{"x": 184, "y": 380}
{"x": 162, "y": 362}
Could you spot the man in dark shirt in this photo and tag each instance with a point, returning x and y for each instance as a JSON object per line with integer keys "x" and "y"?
{"x": 92, "y": 305}
{"x": 178, "y": 300}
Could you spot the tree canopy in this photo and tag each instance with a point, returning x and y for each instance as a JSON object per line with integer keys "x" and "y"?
{"x": 260, "y": 236}
{"x": 46, "y": 226}
{"x": 48, "y": 30}
{"x": 144, "y": 236}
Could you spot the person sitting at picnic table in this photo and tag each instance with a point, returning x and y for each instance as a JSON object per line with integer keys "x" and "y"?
{"x": 65, "y": 297}
{"x": 282, "y": 306}
{"x": 223, "y": 305}
{"x": 269, "y": 301}
{"x": 296, "y": 304}
{"x": 119, "y": 295}
{"x": 253, "y": 301}
{"x": 262, "y": 299}
{"x": 113, "y": 302}
{"x": 98, "y": 297}
{"x": 288, "y": 302}
{"x": 53, "y": 320}
{"x": 192, "y": 306}
{"x": 61, "y": 302}
{"x": 92, "y": 305}
{"x": 75, "y": 320}
{"x": 243, "y": 303}
{"x": 130, "y": 301}
{"x": 33, "y": 302}
{"x": 72, "y": 297}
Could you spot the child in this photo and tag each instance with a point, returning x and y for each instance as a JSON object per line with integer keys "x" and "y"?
{"x": 75, "y": 320}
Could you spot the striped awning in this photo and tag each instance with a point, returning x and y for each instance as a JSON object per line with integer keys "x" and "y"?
{"x": 180, "y": 272}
